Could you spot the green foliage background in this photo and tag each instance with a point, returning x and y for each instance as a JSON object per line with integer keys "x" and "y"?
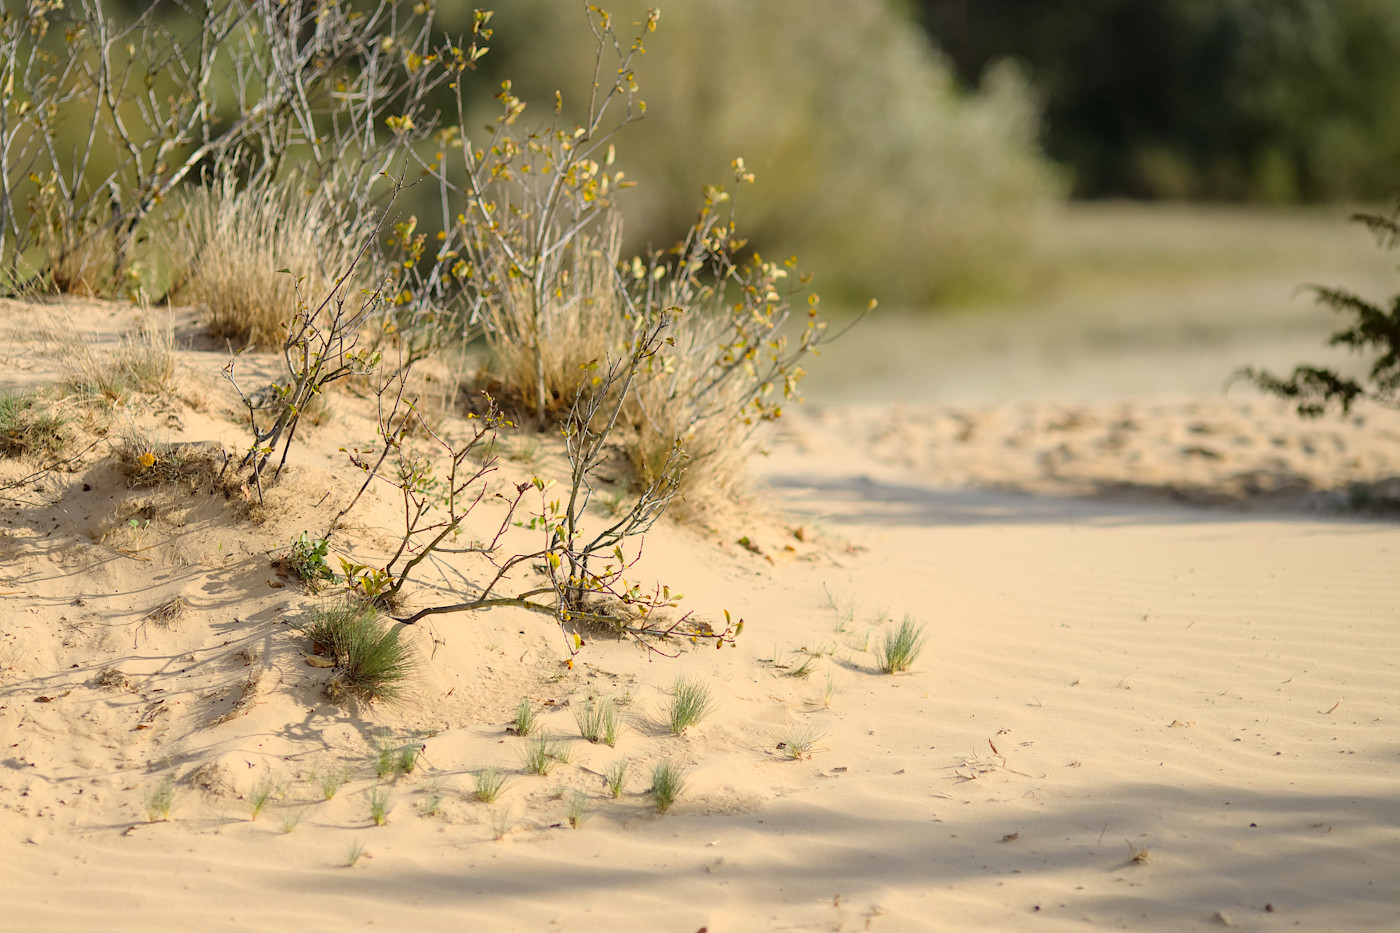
{"x": 1261, "y": 100}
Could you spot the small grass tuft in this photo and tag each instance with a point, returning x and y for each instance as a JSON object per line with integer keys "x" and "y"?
{"x": 526, "y": 719}
{"x": 384, "y": 760}
{"x": 798, "y": 741}
{"x": 830, "y": 690}
{"x": 844, "y": 607}
{"x": 159, "y": 800}
{"x": 143, "y": 362}
{"x": 902, "y": 647}
{"x": 330, "y": 780}
{"x": 431, "y": 804}
{"x": 29, "y": 426}
{"x": 598, "y": 721}
{"x": 616, "y": 777}
{"x": 379, "y": 805}
{"x": 804, "y": 670}
{"x": 264, "y": 790}
{"x": 542, "y": 754}
{"x": 357, "y": 852}
{"x": 392, "y": 760}
{"x": 292, "y": 819}
{"x": 501, "y": 823}
{"x": 578, "y": 809}
{"x": 667, "y": 782}
{"x": 690, "y": 703}
{"x": 373, "y": 665}
{"x": 488, "y": 784}
{"x": 525, "y": 450}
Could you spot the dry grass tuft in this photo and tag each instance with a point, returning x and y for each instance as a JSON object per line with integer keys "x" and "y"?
{"x": 146, "y": 359}
{"x": 143, "y": 362}
{"x": 148, "y": 462}
{"x": 31, "y": 425}
{"x": 247, "y": 694}
{"x": 167, "y": 615}
{"x": 668, "y": 408}
{"x": 581, "y": 323}
{"x": 80, "y": 254}
{"x": 237, "y": 240}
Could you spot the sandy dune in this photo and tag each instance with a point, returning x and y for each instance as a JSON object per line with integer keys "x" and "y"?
{"x": 1159, "y": 692}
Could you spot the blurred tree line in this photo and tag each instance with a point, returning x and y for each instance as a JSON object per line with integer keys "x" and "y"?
{"x": 900, "y": 145}
{"x": 1263, "y": 100}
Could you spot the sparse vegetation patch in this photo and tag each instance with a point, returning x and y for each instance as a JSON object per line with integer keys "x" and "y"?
{"x": 30, "y": 425}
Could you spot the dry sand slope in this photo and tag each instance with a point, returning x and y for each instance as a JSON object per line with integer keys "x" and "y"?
{"x": 1129, "y": 713}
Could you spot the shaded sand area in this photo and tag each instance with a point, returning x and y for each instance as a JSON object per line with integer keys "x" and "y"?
{"x": 1156, "y": 694}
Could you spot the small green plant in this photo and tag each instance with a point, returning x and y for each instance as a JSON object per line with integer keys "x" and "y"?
{"x": 292, "y": 819}
{"x": 330, "y": 779}
{"x": 385, "y": 760}
{"x": 379, "y": 805}
{"x": 526, "y": 719}
{"x": 798, "y": 741}
{"x": 901, "y": 648}
{"x": 357, "y": 852}
{"x": 501, "y": 823}
{"x": 578, "y": 809}
{"x": 431, "y": 804}
{"x": 844, "y": 607}
{"x": 667, "y": 782}
{"x": 307, "y": 559}
{"x": 139, "y": 529}
{"x": 616, "y": 777}
{"x": 488, "y": 784}
{"x": 160, "y": 799}
{"x": 372, "y": 664}
{"x": 28, "y": 427}
{"x": 543, "y": 753}
{"x": 598, "y": 721}
{"x": 830, "y": 690}
{"x": 690, "y": 703}
{"x": 264, "y": 790}
{"x": 392, "y": 760}
{"x": 804, "y": 670}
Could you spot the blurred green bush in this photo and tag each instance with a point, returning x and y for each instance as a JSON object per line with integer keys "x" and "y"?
{"x": 872, "y": 165}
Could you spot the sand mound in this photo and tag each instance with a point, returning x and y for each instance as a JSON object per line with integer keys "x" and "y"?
{"x": 1128, "y": 712}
